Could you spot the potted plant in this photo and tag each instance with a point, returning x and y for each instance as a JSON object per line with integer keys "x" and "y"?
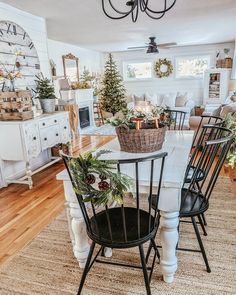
{"x": 45, "y": 94}
{"x": 230, "y": 122}
{"x": 141, "y": 130}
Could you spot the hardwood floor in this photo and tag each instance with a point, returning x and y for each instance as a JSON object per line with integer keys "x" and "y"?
{"x": 24, "y": 213}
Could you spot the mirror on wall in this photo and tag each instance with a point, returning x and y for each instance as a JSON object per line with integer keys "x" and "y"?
{"x": 71, "y": 67}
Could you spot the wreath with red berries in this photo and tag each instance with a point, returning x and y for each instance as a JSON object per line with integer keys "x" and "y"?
{"x": 98, "y": 181}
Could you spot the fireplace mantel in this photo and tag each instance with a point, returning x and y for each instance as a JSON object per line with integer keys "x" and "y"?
{"x": 83, "y": 98}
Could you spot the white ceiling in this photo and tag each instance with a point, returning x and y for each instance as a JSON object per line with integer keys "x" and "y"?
{"x": 82, "y": 22}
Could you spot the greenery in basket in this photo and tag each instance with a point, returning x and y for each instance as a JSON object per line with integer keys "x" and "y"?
{"x": 112, "y": 91}
{"x": 148, "y": 114}
{"x": 44, "y": 88}
{"x": 97, "y": 180}
{"x": 230, "y": 122}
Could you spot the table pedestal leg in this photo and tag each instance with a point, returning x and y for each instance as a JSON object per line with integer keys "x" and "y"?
{"x": 169, "y": 238}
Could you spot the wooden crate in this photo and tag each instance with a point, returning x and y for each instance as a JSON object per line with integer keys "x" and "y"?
{"x": 16, "y": 105}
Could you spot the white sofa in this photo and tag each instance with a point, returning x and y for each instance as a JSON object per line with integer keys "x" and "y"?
{"x": 173, "y": 100}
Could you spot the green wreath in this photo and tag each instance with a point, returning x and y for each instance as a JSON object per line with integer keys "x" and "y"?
{"x": 158, "y": 68}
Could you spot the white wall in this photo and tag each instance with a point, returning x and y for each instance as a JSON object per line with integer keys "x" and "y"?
{"x": 170, "y": 84}
{"x": 36, "y": 28}
{"x": 89, "y": 58}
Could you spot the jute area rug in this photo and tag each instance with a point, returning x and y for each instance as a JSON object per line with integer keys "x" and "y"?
{"x": 47, "y": 265}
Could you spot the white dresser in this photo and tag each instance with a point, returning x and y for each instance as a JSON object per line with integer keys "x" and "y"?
{"x": 25, "y": 140}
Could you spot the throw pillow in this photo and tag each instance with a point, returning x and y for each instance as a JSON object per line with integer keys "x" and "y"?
{"x": 138, "y": 98}
{"x": 181, "y": 99}
{"x": 169, "y": 100}
{"x": 230, "y": 108}
{"x": 217, "y": 112}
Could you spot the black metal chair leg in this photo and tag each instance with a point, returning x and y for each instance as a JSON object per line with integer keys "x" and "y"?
{"x": 145, "y": 273}
{"x": 156, "y": 249}
{"x": 148, "y": 251}
{"x": 202, "y": 225}
{"x": 200, "y": 244}
{"x": 85, "y": 272}
{"x": 204, "y": 219}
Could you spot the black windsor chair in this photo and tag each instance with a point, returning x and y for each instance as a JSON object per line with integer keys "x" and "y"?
{"x": 209, "y": 159}
{"x": 124, "y": 226}
{"x": 176, "y": 119}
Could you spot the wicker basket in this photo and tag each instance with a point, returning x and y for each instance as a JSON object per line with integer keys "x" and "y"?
{"x": 140, "y": 141}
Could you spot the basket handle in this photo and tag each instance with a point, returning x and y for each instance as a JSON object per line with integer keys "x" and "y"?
{"x": 124, "y": 127}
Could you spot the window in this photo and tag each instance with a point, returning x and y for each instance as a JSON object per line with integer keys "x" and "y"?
{"x": 137, "y": 70}
{"x": 191, "y": 66}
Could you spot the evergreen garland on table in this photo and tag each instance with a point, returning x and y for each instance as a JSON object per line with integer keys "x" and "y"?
{"x": 44, "y": 88}
{"x": 113, "y": 91}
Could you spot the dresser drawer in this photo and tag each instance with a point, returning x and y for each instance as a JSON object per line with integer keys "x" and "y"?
{"x": 44, "y": 123}
{"x": 65, "y": 130}
{"x": 32, "y": 139}
{"x": 50, "y": 136}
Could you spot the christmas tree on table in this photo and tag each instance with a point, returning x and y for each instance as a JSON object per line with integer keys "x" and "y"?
{"x": 113, "y": 91}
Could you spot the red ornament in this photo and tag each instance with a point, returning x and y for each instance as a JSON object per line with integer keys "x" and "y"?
{"x": 103, "y": 185}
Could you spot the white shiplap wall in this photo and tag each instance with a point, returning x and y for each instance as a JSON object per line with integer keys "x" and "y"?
{"x": 170, "y": 84}
{"x": 36, "y": 28}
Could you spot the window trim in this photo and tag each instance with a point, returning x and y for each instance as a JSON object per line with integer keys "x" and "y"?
{"x": 124, "y": 65}
{"x": 199, "y": 77}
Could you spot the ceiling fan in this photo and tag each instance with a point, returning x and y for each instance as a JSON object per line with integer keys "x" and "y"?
{"x": 152, "y": 46}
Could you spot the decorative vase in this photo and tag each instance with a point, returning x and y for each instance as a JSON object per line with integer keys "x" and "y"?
{"x": 12, "y": 85}
{"x": 48, "y": 104}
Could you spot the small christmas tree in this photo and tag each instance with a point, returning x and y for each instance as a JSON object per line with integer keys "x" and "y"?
{"x": 44, "y": 88}
{"x": 113, "y": 91}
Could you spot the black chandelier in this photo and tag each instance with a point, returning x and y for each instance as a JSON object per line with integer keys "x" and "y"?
{"x": 134, "y": 6}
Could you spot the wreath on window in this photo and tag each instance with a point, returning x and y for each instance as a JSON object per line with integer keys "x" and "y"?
{"x": 163, "y": 68}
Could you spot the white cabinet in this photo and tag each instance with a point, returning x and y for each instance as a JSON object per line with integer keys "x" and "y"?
{"x": 216, "y": 86}
{"x": 25, "y": 140}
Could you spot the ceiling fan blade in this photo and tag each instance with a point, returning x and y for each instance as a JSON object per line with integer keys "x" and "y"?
{"x": 138, "y": 47}
{"x": 167, "y": 44}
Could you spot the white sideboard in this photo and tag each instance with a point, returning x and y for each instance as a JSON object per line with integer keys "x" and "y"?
{"x": 25, "y": 140}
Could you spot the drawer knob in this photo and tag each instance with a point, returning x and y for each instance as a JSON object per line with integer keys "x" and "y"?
{"x": 45, "y": 138}
{"x": 34, "y": 138}
{"x": 43, "y": 124}
{"x": 57, "y": 134}
{"x": 55, "y": 121}
{"x": 65, "y": 127}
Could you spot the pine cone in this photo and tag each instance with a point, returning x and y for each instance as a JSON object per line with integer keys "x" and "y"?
{"x": 102, "y": 177}
{"x": 103, "y": 185}
{"x": 90, "y": 179}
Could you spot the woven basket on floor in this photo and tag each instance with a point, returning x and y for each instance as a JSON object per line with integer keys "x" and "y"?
{"x": 140, "y": 141}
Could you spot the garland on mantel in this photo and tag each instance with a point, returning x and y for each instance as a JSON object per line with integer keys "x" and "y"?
{"x": 159, "y": 64}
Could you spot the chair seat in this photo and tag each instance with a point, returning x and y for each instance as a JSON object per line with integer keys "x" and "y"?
{"x": 101, "y": 233}
{"x": 192, "y": 203}
{"x": 199, "y": 176}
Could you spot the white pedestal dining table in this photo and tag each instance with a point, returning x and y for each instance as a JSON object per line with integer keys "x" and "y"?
{"x": 177, "y": 144}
